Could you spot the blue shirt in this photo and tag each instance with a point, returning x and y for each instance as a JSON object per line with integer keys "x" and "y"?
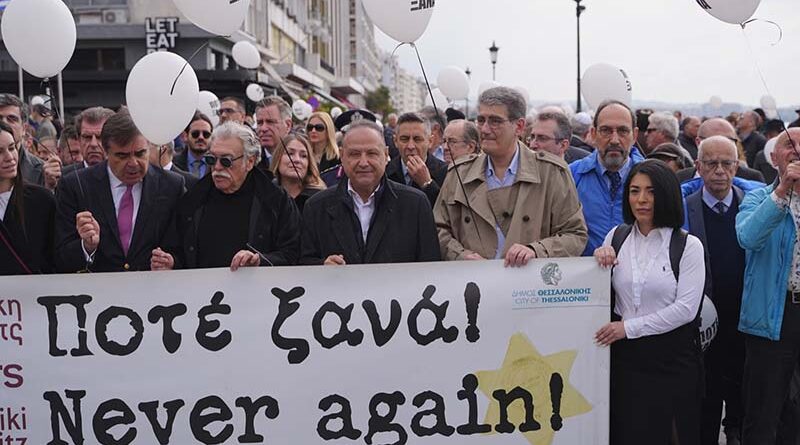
{"x": 438, "y": 152}
{"x": 191, "y": 159}
{"x": 406, "y": 176}
{"x": 494, "y": 182}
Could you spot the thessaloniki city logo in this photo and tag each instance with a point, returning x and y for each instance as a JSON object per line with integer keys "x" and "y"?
{"x": 551, "y": 274}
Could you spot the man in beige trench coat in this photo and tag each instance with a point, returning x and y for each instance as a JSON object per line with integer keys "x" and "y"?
{"x": 523, "y": 203}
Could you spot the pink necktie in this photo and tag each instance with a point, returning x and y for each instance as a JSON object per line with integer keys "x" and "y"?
{"x": 125, "y": 219}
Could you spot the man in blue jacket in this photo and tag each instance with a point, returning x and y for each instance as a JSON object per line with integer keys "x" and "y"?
{"x": 600, "y": 176}
{"x": 767, "y": 229}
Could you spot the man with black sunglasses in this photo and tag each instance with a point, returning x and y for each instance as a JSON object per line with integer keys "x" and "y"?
{"x": 197, "y": 135}
{"x": 236, "y": 216}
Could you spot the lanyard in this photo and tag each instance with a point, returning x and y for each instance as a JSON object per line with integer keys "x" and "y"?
{"x": 640, "y": 274}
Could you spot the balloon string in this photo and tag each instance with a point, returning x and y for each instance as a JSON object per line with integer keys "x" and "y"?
{"x": 780, "y": 30}
{"x": 446, "y": 146}
{"x": 175, "y": 82}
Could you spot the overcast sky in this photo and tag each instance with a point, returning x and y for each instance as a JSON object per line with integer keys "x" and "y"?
{"x": 671, "y": 49}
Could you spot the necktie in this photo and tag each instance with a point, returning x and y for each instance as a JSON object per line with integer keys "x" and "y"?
{"x": 196, "y": 168}
{"x": 720, "y": 207}
{"x": 125, "y": 219}
{"x": 616, "y": 181}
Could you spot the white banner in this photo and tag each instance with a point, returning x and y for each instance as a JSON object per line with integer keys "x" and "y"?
{"x": 433, "y": 353}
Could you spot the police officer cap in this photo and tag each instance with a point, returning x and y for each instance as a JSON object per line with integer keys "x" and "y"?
{"x": 348, "y": 117}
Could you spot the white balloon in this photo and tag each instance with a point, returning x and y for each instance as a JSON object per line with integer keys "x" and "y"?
{"x": 734, "y": 12}
{"x": 768, "y": 103}
{"x": 439, "y": 97}
{"x": 524, "y": 92}
{"x": 246, "y": 55}
{"x": 208, "y": 104}
{"x": 300, "y": 109}
{"x": 487, "y": 85}
{"x": 254, "y": 92}
{"x": 39, "y": 35}
{"x": 603, "y": 82}
{"x": 453, "y": 83}
{"x": 709, "y": 323}
{"x": 220, "y": 17}
{"x": 769, "y": 147}
{"x": 37, "y": 100}
{"x": 397, "y": 19}
{"x": 309, "y": 110}
{"x": 160, "y": 112}
{"x": 336, "y": 112}
{"x": 715, "y": 102}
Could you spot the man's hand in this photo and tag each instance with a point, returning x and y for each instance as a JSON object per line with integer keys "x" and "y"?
{"x": 52, "y": 172}
{"x": 472, "y": 256}
{"x": 610, "y": 333}
{"x": 160, "y": 260}
{"x": 519, "y": 255}
{"x": 335, "y": 260}
{"x": 245, "y": 258}
{"x": 418, "y": 170}
{"x": 789, "y": 180}
{"x": 88, "y": 230}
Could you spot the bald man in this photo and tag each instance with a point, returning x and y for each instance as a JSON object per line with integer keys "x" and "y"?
{"x": 719, "y": 127}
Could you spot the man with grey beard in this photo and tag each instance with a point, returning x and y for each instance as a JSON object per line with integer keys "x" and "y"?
{"x": 600, "y": 176}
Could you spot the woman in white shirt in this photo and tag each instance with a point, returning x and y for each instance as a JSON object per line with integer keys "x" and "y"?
{"x": 656, "y": 365}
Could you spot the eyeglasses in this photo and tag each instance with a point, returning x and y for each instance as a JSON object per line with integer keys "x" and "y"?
{"x": 226, "y": 111}
{"x": 319, "y": 128}
{"x": 196, "y": 134}
{"x": 226, "y": 161}
{"x": 622, "y": 132}
{"x": 542, "y": 139}
{"x": 712, "y": 165}
{"x": 494, "y": 121}
{"x": 449, "y": 142}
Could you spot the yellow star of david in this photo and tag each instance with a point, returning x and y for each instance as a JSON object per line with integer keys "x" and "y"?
{"x": 523, "y": 366}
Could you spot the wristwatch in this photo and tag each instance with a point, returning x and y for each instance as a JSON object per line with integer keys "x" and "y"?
{"x": 424, "y": 186}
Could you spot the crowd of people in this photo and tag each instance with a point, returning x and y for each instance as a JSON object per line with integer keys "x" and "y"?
{"x": 678, "y": 207}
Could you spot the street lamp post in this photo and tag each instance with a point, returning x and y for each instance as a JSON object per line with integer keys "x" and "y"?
{"x": 493, "y": 50}
{"x": 578, "y": 11}
{"x": 469, "y": 76}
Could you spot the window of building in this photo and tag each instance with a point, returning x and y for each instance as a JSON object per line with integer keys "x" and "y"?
{"x": 97, "y": 59}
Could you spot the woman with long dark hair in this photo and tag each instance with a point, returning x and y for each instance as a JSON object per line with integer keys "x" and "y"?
{"x": 656, "y": 367}
{"x": 27, "y": 215}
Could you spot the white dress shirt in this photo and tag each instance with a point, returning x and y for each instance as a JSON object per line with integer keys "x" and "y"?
{"x": 364, "y": 210}
{"x": 117, "y": 192}
{"x": 649, "y": 300}
{"x": 4, "y": 198}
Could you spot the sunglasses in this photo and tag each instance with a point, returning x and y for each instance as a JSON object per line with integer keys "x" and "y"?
{"x": 226, "y": 162}
{"x": 319, "y": 128}
{"x": 196, "y": 134}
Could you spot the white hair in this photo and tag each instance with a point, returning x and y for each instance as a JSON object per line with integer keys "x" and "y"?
{"x": 716, "y": 140}
{"x": 235, "y": 130}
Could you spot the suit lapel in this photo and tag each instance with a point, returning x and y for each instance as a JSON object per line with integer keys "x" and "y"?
{"x": 380, "y": 221}
{"x": 342, "y": 217}
{"x": 697, "y": 226}
{"x": 143, "y": 215}
{"x": 395, "y": 172}
{"x": 102, "y": 191}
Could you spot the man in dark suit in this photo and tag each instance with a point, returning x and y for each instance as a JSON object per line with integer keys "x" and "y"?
{"x": 711, "y": 216}
{"x": 719, "y": 127}
{"x": 119, "y": 214}
{"x": 368, "y": 218}
{"x": 197, "y": 135}
{"x": 416, "y": 166}
{"x": 162, "y": 157}
{"x": 752, "y": 140}
{"x": 89, "y": 125}
{"x": 236, "y": 216}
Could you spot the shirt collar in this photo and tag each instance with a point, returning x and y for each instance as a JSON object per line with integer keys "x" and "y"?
{"x": 114, "y": 181}
{"x": 512, "y": 167}
{"x": 711, "y": 201}
{"x": 357, "y": 198}
{"x": 659, "y": 232}
{"x": 192, "y": 158}
{"x": 168, "y": 166}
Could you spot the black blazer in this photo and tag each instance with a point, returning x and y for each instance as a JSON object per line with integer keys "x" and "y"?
{"x": 437, "y": 168}
{"x": 155, "y": 220}
{"x": 189, "y": 179}
{"x": 274, "y": 222}
{"x": 32, "y": 168}
{"x": 741, "y": 172}
{"x": 402, "y": 228}
{"x": 72, "y": 168}
{"x": 33, "y": 240}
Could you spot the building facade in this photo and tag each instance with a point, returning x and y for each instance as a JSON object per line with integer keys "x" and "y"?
{"x": 303, "y": 46}
{"x": 407, "y": 92}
